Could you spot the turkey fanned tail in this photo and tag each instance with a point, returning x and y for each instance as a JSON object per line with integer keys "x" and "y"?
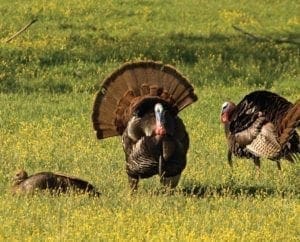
{"x": 127, "y": 87}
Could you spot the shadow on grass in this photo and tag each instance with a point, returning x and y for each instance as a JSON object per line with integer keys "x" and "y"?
{"x": 187, "y": 48}
{"x": 202, "y": 191}
{"x": 217, "y": 58}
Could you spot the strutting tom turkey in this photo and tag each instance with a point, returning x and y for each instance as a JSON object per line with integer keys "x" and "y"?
{"x": 263, "y": 124}
{"x": 140, "y": 101}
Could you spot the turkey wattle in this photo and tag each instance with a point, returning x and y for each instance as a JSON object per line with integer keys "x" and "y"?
{"x": 140, "y": 101}
{"x": 263, "y": 124}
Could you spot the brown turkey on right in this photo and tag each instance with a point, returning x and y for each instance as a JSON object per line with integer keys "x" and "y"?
{"x": 140, "y": 102}
{"x": 263, "y": 124}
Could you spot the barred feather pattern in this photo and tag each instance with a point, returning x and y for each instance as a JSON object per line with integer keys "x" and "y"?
{"x": 265, "y": 143}
{"x": 144, "y": 158}
{"x": 143, "y": 153}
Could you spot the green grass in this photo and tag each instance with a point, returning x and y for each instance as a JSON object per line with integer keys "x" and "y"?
{"x": 50, "y": 74}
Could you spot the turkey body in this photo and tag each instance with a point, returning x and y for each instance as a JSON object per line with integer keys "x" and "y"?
{"x": 140, "y": 102}
{"x": 148, "y": 154}
{"x": 53, "y": 182}
{"x": 263, "y": 124}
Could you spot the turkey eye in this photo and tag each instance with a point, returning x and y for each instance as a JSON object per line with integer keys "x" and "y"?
{"x": 224, "y": 105}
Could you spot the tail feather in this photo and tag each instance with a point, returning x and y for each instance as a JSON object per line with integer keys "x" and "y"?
{"x": 132, "y": 83}
{"x": 184, "y": 99}
{"x": 292, "y": 157}
{"x": 126, "y": 99}
{"x": 145, "y": 89}
{"x": 153, "y": 76}
{"x": 289, "y": 123}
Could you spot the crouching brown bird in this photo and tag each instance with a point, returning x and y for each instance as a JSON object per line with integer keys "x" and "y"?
{"x": 53, "y": 182}
{"x": 263, "y": 124}
{"x": 140, "y": 101}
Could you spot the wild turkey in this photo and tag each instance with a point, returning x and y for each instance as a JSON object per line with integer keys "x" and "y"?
{"x": 263, "y": 124}
{"x": 140, "y": 101}
{"x": 55, "y": 183}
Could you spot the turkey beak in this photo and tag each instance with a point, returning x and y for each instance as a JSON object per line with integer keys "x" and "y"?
{"x": 160, "y": 119}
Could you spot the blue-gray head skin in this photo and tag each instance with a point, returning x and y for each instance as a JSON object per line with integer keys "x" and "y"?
{"x": 226, "y": 111}
{"x": 160, "y": 119}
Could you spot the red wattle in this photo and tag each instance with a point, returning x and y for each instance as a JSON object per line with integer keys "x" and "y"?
{"x": 160, "y": 131}
{"x": 224, "y": 118}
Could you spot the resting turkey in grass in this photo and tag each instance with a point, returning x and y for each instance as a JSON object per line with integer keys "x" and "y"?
{"x": 55, "y": 183}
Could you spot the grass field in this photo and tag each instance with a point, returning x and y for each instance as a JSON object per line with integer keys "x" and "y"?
{"x": 50, "y": 74}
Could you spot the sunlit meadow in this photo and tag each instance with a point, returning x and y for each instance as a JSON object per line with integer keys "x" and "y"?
{"x": 48, "y": 79}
